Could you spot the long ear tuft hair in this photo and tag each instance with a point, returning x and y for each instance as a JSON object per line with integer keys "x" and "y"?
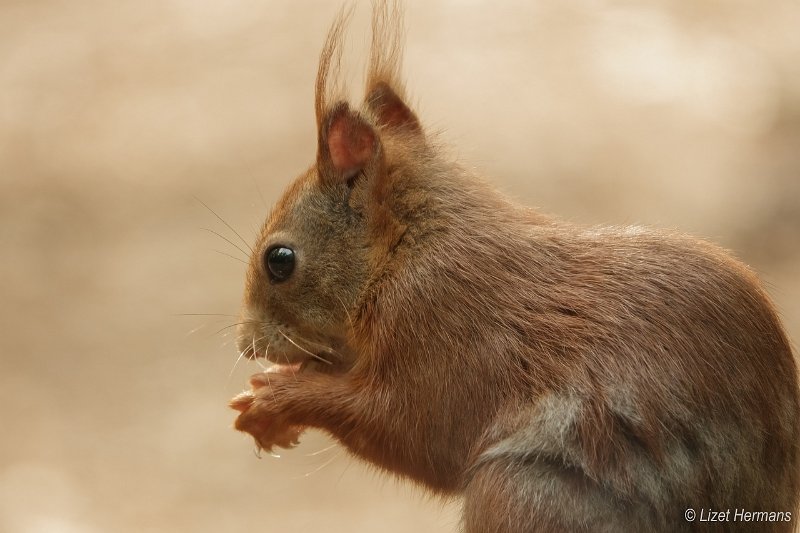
{"x": 385, "y": 91}
{"x": 386, "y": 52}
{"x": 329, "y": 88}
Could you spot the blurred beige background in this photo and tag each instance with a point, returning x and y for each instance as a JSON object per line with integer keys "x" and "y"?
{"x": 115, "y": 115}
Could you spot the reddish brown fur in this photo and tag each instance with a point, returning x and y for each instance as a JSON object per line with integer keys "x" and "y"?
{"x": 561, "y": 378}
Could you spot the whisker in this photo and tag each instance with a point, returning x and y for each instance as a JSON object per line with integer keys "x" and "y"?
{"x": 235, "y": 364}
{"x": 269, "y": 384}
{"x": 344, "y": 471}
{"x": 224, "y": 222}
{"x": 258, "y": 189}
{"x": 232, "y": 257}
{"x": 226, "y": 240}
{"x": 203, "y": 314}
{"x": 291, "y": 369}
{"x": 195, "y": 330}
{"x": 226, "y": 343}
{"x": 201, "y": 326}
{"x": 229, "y": 327}
{"x": 315, "y": 356}
{"x": 323, "y": 450}
{"x": 252, "y": 348}
{"x": 346, "y": 312}
{"x": 326, "y": 463}
{"x": 323, "y": 346}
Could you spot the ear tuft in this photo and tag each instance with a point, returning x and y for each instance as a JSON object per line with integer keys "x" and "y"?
{"x": 390, "y": 110}
{"x": 348, "y": 144}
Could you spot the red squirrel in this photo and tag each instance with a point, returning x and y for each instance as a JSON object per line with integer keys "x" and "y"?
{"x": 559, "y": 378}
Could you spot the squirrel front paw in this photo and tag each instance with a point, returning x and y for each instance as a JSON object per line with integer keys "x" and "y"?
{"x": 260, "y": 416}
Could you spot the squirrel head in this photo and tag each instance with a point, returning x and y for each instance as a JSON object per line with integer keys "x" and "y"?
{"x": 329, "y": 235}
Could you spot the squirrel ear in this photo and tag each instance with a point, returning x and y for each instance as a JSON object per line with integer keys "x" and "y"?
{"x": 347, "y": 144}
{"x": 389, "y": 108}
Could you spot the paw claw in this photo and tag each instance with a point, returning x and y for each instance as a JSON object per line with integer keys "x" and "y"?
{"x": 288, "y": 438}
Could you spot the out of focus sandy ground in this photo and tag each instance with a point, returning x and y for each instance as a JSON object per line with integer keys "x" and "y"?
{"x": 114, "y": 115}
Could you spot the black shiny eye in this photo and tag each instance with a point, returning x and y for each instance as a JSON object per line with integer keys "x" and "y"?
{"x": 279, "y": 261}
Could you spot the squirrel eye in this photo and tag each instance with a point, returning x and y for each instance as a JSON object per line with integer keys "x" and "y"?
{"x": 279, "y": 261}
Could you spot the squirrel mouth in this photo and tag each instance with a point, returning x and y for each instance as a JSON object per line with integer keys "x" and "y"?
{"x": 309, "y": 362}
{"x": 284, "y": 368}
